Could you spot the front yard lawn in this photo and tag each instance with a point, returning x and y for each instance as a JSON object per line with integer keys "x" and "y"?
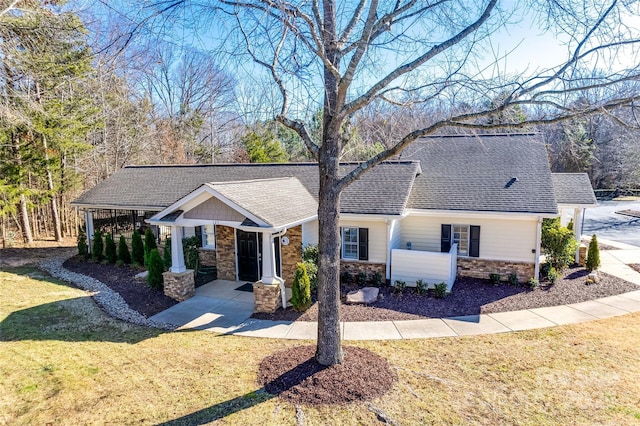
{"x": 63, "y": 361}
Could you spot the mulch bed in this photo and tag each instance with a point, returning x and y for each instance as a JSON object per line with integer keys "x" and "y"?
{"x": 469, "y": 296}
{"x": 295, "y": 376}
{"x": 635, "y": 266}
{"x": 121, "y": 279}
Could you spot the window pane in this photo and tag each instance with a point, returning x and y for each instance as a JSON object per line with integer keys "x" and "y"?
{"x": 461, "y": 237}
{"x": 350, "y": 243}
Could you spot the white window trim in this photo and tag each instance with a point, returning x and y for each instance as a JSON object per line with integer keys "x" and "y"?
{"x": 357, "y": 242}
{"x": 468, "y": 239}
{"x": 205, "y": 239}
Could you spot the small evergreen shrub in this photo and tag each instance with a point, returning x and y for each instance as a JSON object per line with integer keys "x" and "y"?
{"x": 110, "y": 249}
{"x": 593, "y": 254}
{"x": 376, "y": 279}
{"x": 155, "y": 268}
{"x": 421, "y": 287}
{"x": 301, "y": 289}
{"x": 570, "y": 225}
{"x": 399, "y": 286}
{"x": 513, "y": 279}
{"x": 190, "y": 248}
{"x": 97, "y": 251}
{"x": 558, "y": 243}
{"x": 310, "y": 260}
{"x": 166, "y": 256}
{"x": 552, "y": 275}
{"x": 346, "y": 277}
{"x": 149, "y": 244}
{"x": 83, "y": 247}
{"x": 362, "y": 278}
{"x": 123, "y": 251}
{"x": 137, "y": 249}
{"x": 533, "y": 283}
{"x": 494, "y": 278}
{"x": 440, "y": 290}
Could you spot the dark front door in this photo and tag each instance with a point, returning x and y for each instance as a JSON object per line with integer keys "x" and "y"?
{"x": 248, "y": 265}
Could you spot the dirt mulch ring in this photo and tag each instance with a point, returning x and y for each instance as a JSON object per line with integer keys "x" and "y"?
{"x": 469, "y": 296}
{"x": 635, "y": 267}
{"x": 295, "y": 376}
{"x": 121, "y": 279}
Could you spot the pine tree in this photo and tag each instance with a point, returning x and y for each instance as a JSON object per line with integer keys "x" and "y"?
{"x": 155, "y": 268}
{"x": 98, "y": 246}
{"x": 83, "y": 248}
{"x": 301, "y": 289}
{"x": 123, "y": 251}
{"x": 149, "y": 244}
{"x": 167, "y": 254}
{"x": 110, "y": 248}
{"x": 593, "y": 255}
{"x": 137, "y": 249}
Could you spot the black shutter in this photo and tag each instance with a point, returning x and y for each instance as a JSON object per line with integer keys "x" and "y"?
{"x": 363, "y": 243}
{"x": 445, "y": 238}
{"x": 474, "y": 242}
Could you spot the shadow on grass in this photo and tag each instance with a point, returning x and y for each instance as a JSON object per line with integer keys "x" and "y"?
{"x": 280, "y": 384}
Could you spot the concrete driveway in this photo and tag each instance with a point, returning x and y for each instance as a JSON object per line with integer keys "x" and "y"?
{"x": 607, "y": 224}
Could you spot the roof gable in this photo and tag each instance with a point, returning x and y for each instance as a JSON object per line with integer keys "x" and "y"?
{"x": 573, "y": 189}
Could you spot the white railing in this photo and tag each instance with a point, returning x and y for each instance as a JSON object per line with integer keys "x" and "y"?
{"x": 428, "y": 266}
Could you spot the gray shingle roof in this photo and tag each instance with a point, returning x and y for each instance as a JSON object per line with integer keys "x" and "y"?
{"x": 573, "y": 189}
{"x": 467, "y": 172}
{"x": 382, "y": 190}
{"x": 277, "y": 202}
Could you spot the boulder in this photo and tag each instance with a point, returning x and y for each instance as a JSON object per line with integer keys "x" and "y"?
{"x": 593, "y": 278}
{"x": 142, "y": 276}
{"x": 364, "y": 295}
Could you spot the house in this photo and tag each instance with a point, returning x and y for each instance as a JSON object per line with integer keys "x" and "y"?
{"x": 464, "y": 205}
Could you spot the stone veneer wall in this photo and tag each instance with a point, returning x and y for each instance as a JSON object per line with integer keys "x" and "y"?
{"x": 479, "y": 268}
{"x": 179, "y": 286}
{"x": 291, "y": 254}
{"x": 208, "y": 257}
{"x": 356, "y": 267}
{"x": 267, "y": 298}
{"x": 226, "y": 252}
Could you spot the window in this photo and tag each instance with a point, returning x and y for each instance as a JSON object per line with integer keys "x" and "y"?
{"x": 466, "y": 236}
{"x": 209, "y": 236}
{"x": 355, "y": 243}
{"x": 461, "y": 237}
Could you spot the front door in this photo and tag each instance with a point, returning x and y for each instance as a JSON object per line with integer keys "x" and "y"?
{"x": 248, "y": 264}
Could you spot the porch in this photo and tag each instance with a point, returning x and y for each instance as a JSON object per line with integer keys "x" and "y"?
{"x": 430, "y": 267}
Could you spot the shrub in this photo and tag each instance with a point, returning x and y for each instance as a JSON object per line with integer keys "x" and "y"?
{"x": 301, "y": 289}
{"x": 149, "y": 244}
{"x": 137, "y": 249}
{"x": 552, "y": 275}
{"x": 440, "y": 290}
{"x": 421, "y": 287}
{"x": 83, "y": 247}
{"x": 558, "y": 243}
{"x": 123, "y": 251}
{"x": 310, "y": 260}
{"x": 110, "y": 249}
{"x": 346, "y": 277}
{"x": 362, "y": 278}
{"x": 376, "y": 279}
{"x": 570, "y": 225}
{"x": 166, "y": 256}
{"x": 190, "y": 249}
{"x": 533, "y": 283}
{"x": 399, "y": 286}
{"x": 97, "y": 248}
{"x": 310, "y": 254}
{"x": 495, "y": 278}
{"x": 513, "y": 279}
{"x": 155, "y": 268}
{"x": 593, "y": 254}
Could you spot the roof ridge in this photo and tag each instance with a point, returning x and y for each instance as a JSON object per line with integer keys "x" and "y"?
{"x": 252, "y": 180}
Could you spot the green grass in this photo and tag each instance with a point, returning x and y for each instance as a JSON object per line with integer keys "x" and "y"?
{"x": 63, "y": 361}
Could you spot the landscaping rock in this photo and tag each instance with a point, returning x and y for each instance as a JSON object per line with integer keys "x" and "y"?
{"x": 142, "y": 276}
{"x": 364, "y": 295}
{"x": 593, "y": 278}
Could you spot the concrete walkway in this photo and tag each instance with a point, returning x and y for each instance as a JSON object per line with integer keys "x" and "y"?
{"x": 220, "y": 308}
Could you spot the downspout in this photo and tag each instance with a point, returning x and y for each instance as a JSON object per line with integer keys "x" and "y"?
{"x": 536, "y": 273}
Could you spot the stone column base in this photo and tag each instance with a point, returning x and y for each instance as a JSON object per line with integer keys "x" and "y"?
{"x": 267, "y": 297}
{"x": 582, "y": 255}
{"x": 179, "y": 286}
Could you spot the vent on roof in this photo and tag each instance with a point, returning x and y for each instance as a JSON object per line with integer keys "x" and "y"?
{"x": 511, "y": 182}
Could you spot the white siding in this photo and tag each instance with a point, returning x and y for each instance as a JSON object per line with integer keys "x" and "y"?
{"x": 188, "y": 231}
{"x": 377, "y": 238}
{"x": 431, "y": 267}
{"x": 500, "y": 239}
{"x": 310, "y": 233}
{"x": 394, "y": 240}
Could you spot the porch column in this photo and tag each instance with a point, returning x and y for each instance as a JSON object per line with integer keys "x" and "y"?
{"x": 268, "y": 259}
{"x": 177, "y": 256}
{"x": 88, "y": 220}
{"x": 577, "y": 228}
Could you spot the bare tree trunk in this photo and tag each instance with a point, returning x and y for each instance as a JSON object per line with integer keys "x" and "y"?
{"x": 54, "y": 198}
{"x": 24, "y": 220}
